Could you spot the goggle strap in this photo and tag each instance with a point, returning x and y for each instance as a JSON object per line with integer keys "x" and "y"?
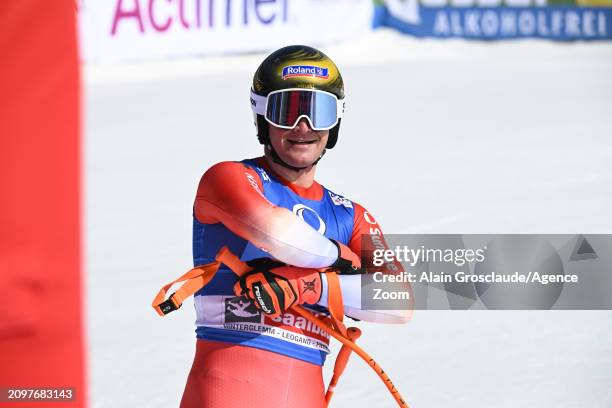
{"x": 258, "y": 103}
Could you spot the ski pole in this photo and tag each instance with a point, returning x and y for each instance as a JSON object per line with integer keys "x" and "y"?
{"x": 240, "y": 268}
{"x": 343, "y": 356}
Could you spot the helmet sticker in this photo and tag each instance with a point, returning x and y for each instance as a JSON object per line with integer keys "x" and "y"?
{"x": 291, "y": 71}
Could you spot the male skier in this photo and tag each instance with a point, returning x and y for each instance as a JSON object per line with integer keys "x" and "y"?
{"x": 251, "y": 349}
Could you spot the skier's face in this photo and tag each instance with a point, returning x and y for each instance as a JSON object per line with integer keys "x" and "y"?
{"x": 299, "y": 146}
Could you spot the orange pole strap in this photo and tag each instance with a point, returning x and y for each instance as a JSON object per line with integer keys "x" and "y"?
{"x": 335, "y": 303}
{"x": 195, "y": 279}
{"x": 230, "y": 260}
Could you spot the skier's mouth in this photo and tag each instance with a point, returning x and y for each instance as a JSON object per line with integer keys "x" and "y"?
{"x": 302, "y": 141}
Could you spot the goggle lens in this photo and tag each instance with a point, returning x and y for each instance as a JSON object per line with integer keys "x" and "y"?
{"x": 285, "y": 108}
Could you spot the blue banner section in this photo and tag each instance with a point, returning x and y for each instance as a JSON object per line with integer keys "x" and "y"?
{"x": 563, "y": 23}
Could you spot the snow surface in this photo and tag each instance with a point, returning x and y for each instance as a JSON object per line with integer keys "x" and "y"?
{"x": 439, "y": 137}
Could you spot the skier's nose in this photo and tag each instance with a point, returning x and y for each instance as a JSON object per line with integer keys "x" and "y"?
{"x": 303, "y": 126}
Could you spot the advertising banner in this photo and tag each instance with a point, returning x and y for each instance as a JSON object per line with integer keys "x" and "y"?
{"x": 134, "y": 30}
{"x": 499, "y": 19}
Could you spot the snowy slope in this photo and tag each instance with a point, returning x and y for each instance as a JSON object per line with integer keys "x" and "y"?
{"x": 447, "y": 136}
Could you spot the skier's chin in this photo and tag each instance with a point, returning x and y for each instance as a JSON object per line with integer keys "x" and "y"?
{"x": 300, "y": 158}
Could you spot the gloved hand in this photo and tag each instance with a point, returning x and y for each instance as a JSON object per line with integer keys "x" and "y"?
{"x": 274, "y": 287}
{"x": 348, "y": 263}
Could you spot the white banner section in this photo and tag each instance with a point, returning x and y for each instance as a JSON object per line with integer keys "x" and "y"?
{"x": 137, "y": 30}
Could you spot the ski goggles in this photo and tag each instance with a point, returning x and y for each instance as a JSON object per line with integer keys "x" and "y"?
{"x": 284, "y": 108}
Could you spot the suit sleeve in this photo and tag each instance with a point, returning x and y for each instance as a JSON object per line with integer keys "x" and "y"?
{"x": 367, "y": 236}
{"x": 231, "y": 193}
